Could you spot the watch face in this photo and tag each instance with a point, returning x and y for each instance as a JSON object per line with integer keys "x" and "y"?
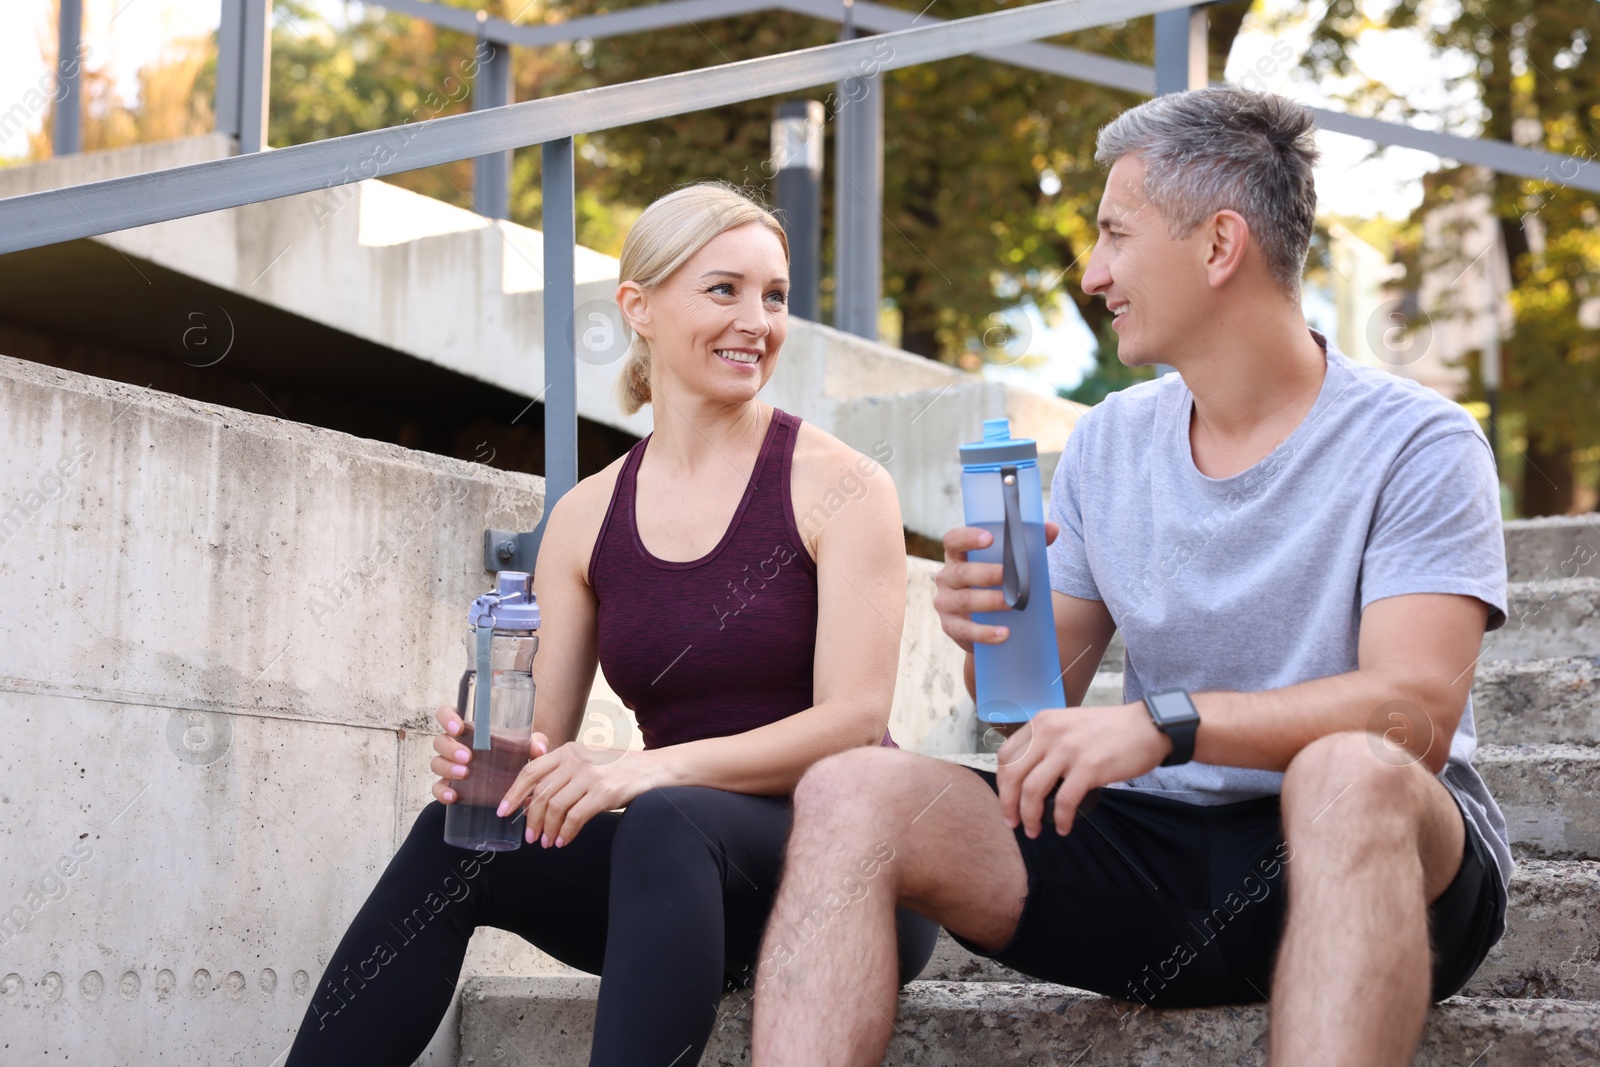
{"x": 1171, "y": 708}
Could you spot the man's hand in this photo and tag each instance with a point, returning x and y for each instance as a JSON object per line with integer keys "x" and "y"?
{"x": 963, "y": 587}
{"x": 1083, "y": 749}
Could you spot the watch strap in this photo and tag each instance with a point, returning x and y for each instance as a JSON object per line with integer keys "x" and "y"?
{"x": 1181, "y": 733}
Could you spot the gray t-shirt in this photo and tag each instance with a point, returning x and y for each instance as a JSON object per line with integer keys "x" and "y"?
{"x": 1258, "y": 581}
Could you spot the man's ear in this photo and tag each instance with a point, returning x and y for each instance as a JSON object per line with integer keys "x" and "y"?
{"x": 1227, "y": 237}
{"x": 634, "y": 303}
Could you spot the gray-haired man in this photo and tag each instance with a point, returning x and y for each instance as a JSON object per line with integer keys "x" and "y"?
{"x": 1303, "y": 555}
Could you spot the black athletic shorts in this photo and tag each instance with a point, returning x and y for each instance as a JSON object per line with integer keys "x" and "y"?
{"x": 1171, "y": 904}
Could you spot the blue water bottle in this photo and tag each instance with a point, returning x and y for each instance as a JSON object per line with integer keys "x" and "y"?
{"x": 1000, "y": 489}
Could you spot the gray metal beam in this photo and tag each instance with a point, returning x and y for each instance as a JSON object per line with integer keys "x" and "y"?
{"x": 507, "y": 549}
{"x": 492, "y": 87}
{"x": 797, "y": 194}
{"x": 244, "y": 67}
{"x": 230, "y": 54}
{"x": 1496, "y": 155}
{"x": 858, "y": 206}
{"x": 255, "y": 74}
{"x": 102, "y": 207}
{"x": 68, "y": 137}
{"x": 1180, "y": 50}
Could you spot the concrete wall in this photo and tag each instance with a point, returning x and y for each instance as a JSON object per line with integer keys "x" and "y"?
{"x": 223, "y": 639}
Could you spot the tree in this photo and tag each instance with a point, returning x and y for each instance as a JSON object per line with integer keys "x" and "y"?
{"x": 971, "y": 145}
{"x": 1531, "y": 77}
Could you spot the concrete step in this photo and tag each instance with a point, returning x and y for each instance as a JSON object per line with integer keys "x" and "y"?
{"x": 1551, "y": 948}
{"x": 1552, "y": 701}
{"x": 547, "y": 1022}
{"x": 1557, "y": 547}
{"x": 1550, "y": 795}
{"x": 1548, "y": 618}
{"x": 1539, "y": 701}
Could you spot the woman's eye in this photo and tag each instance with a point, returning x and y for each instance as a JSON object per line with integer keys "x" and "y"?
{"x": 722, "y": 289}
{"x": 777, "y": 297}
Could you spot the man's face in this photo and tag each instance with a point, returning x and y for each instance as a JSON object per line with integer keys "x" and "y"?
{"x": 1154, "y": 285}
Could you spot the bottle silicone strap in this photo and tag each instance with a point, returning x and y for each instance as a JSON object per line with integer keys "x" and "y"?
{"x": 480, "y": 703}
{"x": 1013, "y": 546}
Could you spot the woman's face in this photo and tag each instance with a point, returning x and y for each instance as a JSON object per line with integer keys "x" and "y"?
{"x": 716, "y": 324}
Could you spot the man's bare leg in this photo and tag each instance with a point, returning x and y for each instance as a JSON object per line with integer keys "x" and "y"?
{"x": 875, "y": 829}
{"x": 1373, "y": 842}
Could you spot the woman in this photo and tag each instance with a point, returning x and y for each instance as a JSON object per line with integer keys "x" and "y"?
{"x": 747, "y": 647}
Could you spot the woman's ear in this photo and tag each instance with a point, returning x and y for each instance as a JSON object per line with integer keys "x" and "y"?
{"x": 634, "y": 303}
{"x": 1227, "y": 237}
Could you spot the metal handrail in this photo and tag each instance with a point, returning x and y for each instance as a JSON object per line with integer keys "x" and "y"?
{"x": 43, "y": 218}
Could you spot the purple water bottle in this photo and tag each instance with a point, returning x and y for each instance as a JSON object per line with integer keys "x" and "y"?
{"x": 496, "y": 708}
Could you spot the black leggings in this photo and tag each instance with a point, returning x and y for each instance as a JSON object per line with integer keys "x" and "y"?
{"x": 666, "y": 900}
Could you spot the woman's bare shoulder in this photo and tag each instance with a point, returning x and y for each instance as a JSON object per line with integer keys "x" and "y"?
{"x": 577, "y": 517}
{"x": 828, "y": 475}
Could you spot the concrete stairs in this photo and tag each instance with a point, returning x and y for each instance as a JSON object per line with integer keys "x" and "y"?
{"x": 1535, "y": 1000}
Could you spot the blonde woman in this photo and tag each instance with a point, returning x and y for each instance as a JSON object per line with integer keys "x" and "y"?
{"x": 747, "y": 648}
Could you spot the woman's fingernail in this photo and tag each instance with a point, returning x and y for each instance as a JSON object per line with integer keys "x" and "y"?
{"x": 560, "y": 841}
{"x": 527, "y": 835}
{"x": 544, "y": 840}
{"x": 454, "y": 728}
{"x": 501, "y": 810}
{"x": 459, "y": 771}
{"x": 461, "y": 755}
{"x": 449, "y": 796}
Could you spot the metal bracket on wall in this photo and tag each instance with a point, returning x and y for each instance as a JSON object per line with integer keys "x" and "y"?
{"x": 507, "y": 550}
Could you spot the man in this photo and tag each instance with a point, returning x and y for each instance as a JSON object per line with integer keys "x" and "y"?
{"x": 1303, "y": 555}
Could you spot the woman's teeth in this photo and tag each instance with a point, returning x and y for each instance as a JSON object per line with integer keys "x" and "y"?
{"x": 738, "y": 357}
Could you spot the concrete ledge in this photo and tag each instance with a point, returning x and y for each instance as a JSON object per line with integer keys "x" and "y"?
{"x": 1562, "y": 546}
{"x": 1555, "y": 701}
{"x": 548, "y": 1022}
{"x": 1550, "y": 795}
{"x": 1548, "y": 618}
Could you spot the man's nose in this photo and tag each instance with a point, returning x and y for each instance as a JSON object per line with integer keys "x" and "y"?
{"x": 1096, "y": 276}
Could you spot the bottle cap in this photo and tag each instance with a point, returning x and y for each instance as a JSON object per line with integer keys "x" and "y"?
{"x": 510, "y": 605}
{"x": 998, "y": 446}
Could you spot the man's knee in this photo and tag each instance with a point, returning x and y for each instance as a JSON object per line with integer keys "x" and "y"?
{"x": 860, "y": 780}
{"x": 1350, "y": 783}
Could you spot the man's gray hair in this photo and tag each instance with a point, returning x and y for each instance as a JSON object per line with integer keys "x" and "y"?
{"x": 1222, "y": 148}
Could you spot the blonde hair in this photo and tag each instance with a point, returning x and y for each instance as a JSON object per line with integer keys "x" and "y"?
{"x": 667, "y": 235}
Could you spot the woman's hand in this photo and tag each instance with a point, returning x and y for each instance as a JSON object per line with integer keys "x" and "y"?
{"x": 453, "y": 751}
{"x": 566, "y": 788}
{"x": 964, "y": 588}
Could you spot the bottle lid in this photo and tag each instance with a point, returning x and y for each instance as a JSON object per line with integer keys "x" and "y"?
{"x": 510, "y": 605}
{"x": 998, "y": 446}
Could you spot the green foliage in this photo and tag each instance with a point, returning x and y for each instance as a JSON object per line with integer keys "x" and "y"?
{"x": 1536, "y": 81}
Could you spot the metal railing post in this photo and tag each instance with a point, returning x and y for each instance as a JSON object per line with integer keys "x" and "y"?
{"x": 68, "y": 137}
{"x": 1180, "y": 50}
{"x": 493, "y": 87}
{"x": 1180, "y": 62}
{"x": 858, "y": 200}
{"x": 244, "y": 71}
{"x": 504, "y": 549}
{"x": 797, "y": 167}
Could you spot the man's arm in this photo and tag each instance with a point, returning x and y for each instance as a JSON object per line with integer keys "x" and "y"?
{"x": 1417, "y": 655}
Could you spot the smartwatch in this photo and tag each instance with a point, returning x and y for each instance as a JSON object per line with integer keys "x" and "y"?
{"x": 1174, "y": 715}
